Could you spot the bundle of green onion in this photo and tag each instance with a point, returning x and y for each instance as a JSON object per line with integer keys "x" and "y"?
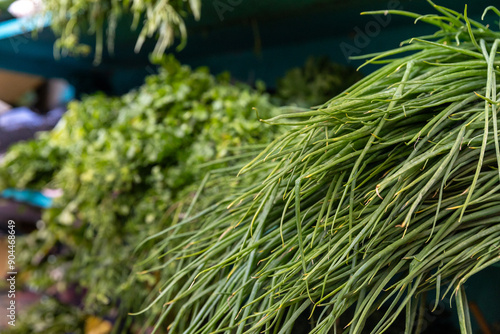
{"x": 386, "y": 192}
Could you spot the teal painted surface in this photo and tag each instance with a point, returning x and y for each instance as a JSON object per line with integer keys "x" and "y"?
{"x": 27, "y": 196}
{"x": 253, "y": 39}
{"x": 272, "y": 63}
{"x": 265, "y": 45}
{"x": 16, "y": 27}
{"x": 483, "y": 288}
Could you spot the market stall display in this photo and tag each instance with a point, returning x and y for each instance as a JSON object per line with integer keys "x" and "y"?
{"x": 197, "y": 204}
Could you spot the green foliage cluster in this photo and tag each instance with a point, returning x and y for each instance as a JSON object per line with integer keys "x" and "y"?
{"x": 315, "y": 82}
{"x": 49, "y": 316}
{"x": 124, "y": 164}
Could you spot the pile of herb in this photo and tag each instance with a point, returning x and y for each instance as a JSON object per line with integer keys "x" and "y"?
{"x": 384, "y": 194}
{"x": 49, "y": 316}
{"x": 127, "y": 166}
{"x": 163, "y": 19}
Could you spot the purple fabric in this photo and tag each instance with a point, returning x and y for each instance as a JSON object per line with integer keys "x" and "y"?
{"x": 18, "y": 118}
{"x": 22, "y": 124}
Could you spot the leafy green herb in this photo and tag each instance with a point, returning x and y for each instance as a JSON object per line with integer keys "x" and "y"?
{"x": 127, "y": 167}
{"x": 49, "y": 316}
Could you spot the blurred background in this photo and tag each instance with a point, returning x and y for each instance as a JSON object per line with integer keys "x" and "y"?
{"x": 277, "y": 48}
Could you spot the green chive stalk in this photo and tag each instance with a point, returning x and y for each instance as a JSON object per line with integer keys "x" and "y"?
{"x": 388, "y": 191}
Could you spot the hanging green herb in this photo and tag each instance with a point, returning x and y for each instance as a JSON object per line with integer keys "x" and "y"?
{"x": 163, "y": 19}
